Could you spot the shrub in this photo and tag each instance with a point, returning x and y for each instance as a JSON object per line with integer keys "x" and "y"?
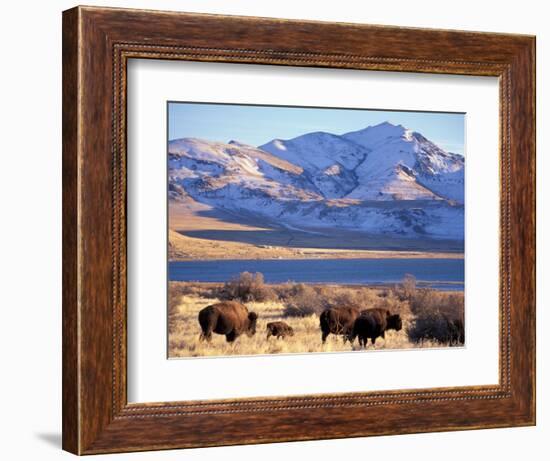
{"x": 302, "y": 301}
{"x": 438, "y": 317}
{"x": 438, "y": 327}
{"x": 174, "y": 298}
{"x": 406, "y": 290}
{"x": 409, "y": 286}
{"x": 427, "y": 300}
{"x": 353, "y": 298}
{"x": 204, "y": 290}
{"x": 247, "y": 287}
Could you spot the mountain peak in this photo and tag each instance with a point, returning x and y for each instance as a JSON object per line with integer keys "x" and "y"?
{"x": 388, "y": 124}
{"x": 233, "y": 142}
{"x": 316, "y": 134}
{"x": 386, "y": 128}
{"x": 317, "y": 151}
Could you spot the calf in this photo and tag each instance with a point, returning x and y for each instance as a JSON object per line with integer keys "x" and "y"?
{"x": 279, "y": 330}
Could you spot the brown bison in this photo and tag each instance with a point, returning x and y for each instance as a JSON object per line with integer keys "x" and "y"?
{"x": 373, "y": 323}
{"x": 338, "y": 321}
{"x": 279, "y": 330}
{"x": 228, "y": 318}
{"x": 456, "y": 331}
{"x": 438, "y": 327}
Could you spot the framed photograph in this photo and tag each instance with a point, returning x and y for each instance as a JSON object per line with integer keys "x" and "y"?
{"x": 281, "y": 230}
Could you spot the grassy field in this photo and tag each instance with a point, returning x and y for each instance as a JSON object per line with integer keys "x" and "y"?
{"x": 299, "y": 305}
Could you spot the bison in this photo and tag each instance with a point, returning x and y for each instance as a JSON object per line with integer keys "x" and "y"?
{"x": 279, "y": 330}
{"x": 228, "y": 318}
{"x": 456, "y": 331}
{"x": 435, "y": 326}
{"x": 338, "y": 321}
{"x": 373, "y": 323}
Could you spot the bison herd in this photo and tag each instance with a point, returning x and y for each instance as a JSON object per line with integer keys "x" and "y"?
{"x": 232, "y": 319}
{"x": 351, "y": 323}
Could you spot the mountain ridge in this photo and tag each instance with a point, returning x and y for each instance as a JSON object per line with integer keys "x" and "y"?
{"x": 384, "y": 179}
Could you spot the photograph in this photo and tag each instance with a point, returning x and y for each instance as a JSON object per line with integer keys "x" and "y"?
{"x": 342, "y": 199}
{"x": 305, "y": 229}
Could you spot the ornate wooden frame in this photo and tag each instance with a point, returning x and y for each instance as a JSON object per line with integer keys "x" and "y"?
{"x": 97, "y": 43}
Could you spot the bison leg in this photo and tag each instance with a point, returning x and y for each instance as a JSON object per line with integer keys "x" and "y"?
{"x": 373, "y": 339}
{"x": 230, "y": 337}
{"x": 324, "y": 336}
{"x": 205, "y": 336}
{"x": 268, "y": 335}
{"x": 351, "y": 338}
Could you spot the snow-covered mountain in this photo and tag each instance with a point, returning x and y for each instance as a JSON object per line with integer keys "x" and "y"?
{"x": 328, "y": 160}
{"x": 384, "y": 179}
{"x": 403, "y": 164}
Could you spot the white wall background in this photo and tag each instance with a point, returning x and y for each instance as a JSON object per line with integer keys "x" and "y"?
{"x": 30, "y": 231}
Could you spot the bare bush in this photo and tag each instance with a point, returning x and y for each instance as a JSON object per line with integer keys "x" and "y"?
{"x": 406, "y": 290}
{"x": 361, "y": 299}
{"x": 203, "y": 289}
{"x": 427, "y": 300}
{"x": 435, "y": 326}
{"x": 174, "y": 299}
{"x": 439, "y": 316}
{"x": 302, "y": 301}
{"x": 409, "y": 286}
{"x": 247, "y": 287}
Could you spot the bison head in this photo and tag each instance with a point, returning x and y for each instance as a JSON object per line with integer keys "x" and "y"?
{"x": 394, "y": 322}
{"x": 252, "y": 318}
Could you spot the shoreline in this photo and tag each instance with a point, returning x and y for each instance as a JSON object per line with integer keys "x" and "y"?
{"x": 329, "y": 256}
{"x": 182, "y": 248}
{"x": 420, "y": 285}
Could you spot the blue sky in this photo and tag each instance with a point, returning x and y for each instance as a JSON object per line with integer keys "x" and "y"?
{"x": 257, "y": 125}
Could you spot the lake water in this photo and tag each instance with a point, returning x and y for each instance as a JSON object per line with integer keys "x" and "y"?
{"x": 443, "y": 274}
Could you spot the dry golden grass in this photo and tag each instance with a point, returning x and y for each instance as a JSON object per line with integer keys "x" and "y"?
{"x": 187, "y": 299}
{"x": 191, "y": 215}
{"x": 184, "y": 248}
{"x": 198, "y": 231}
